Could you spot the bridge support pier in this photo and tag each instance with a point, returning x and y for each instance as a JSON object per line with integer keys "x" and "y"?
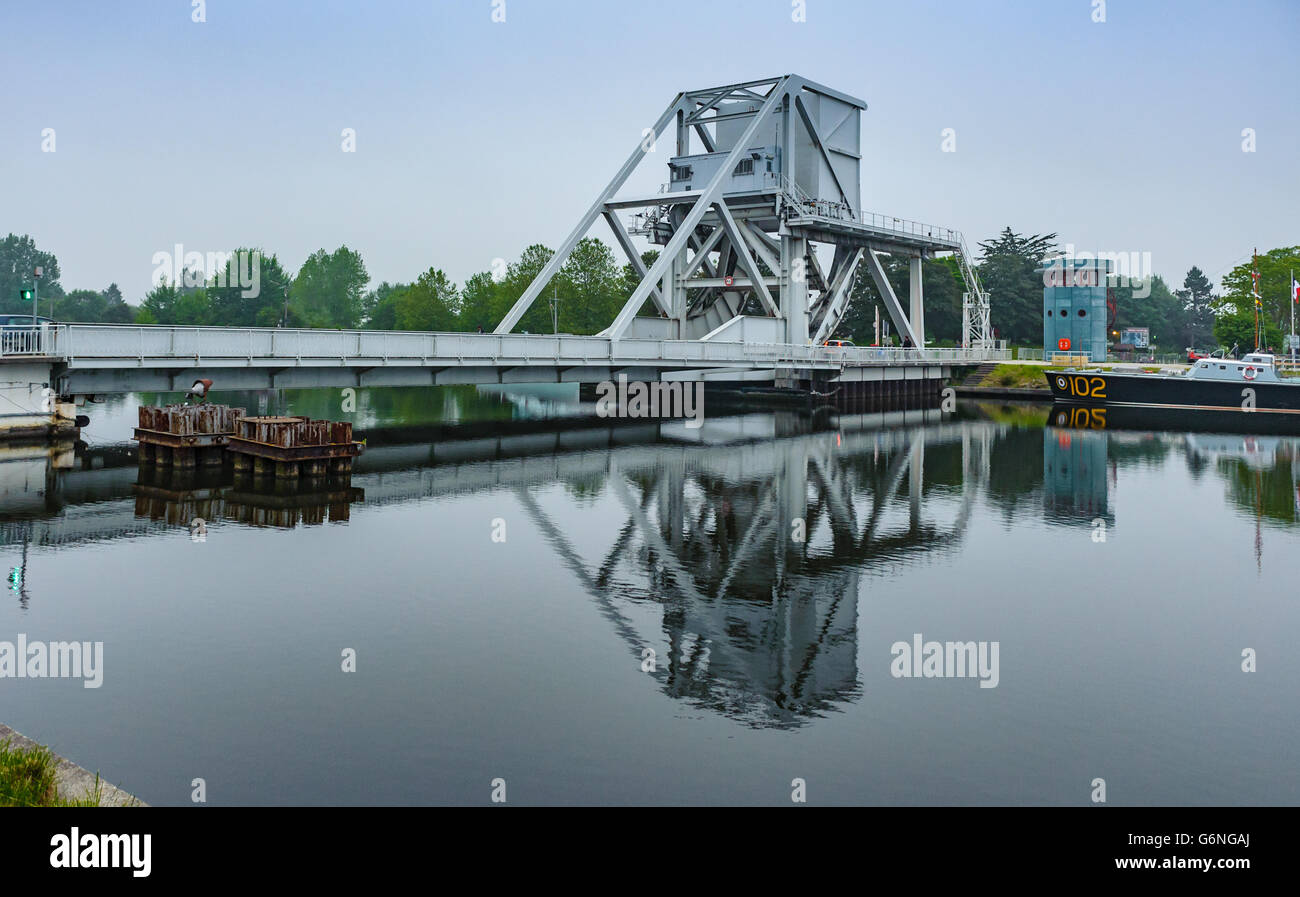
{"x": 29, "y": 406}
{"x": 916, "y": 298}
{"x": 794, "y": 251}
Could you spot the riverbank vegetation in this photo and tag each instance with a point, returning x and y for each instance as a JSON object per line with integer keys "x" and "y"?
{"x": 27, "y": 779}
{"x": 333, "y": 289}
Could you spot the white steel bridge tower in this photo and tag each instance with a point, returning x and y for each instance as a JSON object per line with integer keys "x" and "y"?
{"x": 764, "y": 172}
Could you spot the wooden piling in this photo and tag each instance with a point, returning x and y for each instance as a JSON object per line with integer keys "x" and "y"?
{"x": 185, "y": 435}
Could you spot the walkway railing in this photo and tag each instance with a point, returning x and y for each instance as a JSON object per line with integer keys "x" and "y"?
{"x": 838, "y": 211}
{"x": 130, "y": 346}
{"x": 18, "y": 340}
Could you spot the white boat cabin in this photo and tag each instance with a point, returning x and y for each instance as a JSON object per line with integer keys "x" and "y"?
{"x": 1259, "y": 367}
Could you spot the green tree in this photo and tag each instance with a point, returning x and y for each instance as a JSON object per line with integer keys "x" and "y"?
{"x": 19, "y": 258}
{"x": 431, "y": 303}
{"x": 859, "y": 322}
{"x": 93, "y": 307}
{"x": 264, "y": 304}
{"x": 329, "y": 290}
{"x": 1275, "y": 270}
{"x": 1198, "y": 299}
{"x": 942, "y": 287}
{"x": 160, "y": 304}
{"x": 116, "y": 311}
{"x": 1235, "y": 326}
{"x": 194, "y": 309}
{"x": 592, "y": 295}
{"x": 83, "y": 306}
{"x": 1151, "y": 304}
{"x": 481, "y": 303}
{"x": 379, "y": 307}
{"x": 631, "y": 278}
{"x": 1008, "y": 271}
{"x": 518, "y": 276}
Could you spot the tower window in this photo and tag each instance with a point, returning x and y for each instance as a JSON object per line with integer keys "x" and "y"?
{"x": 745, "y": 166}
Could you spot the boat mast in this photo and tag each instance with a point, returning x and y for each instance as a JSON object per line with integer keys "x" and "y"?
{"x": 1254, "y": 277}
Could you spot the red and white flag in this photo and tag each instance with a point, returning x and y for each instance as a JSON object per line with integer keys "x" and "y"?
{"x": 1295, "y": 289}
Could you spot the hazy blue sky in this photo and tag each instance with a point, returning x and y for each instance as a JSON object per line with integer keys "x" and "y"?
{"x": 475, "y": 138}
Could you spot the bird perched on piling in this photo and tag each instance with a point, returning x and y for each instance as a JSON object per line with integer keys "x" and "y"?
{"x": 199, "y": 390}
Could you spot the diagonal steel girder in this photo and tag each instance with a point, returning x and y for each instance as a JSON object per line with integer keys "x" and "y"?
{"x": 818, "y": 276}
{"x": 634, "y": 258}
{"x": 887, "y": 294}
{"x": 701, "y": 256}
{"x": 842, "y": 254}
{"x": 746, "y": 258}
{"x": 584, "y": 224}
{"x": 759, "y": 247}
{"x": 839, "y": 298}
{"x": 710, "y": 195}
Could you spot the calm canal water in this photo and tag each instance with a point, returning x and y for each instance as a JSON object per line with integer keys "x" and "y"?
{"x": 625, "y": 614}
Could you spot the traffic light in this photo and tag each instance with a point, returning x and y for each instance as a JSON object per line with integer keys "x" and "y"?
{"x": 26, "y": 295}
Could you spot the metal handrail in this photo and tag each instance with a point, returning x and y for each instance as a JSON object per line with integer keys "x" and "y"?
{"x": 838, "y": 211}
{"x": 86, "y": 344}
{"x": 17, "y": 340}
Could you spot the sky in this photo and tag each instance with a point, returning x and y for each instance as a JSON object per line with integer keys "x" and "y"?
{"x": 475, "y": 138}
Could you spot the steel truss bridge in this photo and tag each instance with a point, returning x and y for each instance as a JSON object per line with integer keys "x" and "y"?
{"x": 104, "y": 359}
{"x": 763, "y": 172}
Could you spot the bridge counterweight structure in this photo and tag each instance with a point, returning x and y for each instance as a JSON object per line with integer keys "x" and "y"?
{"x": 741, "y": 222}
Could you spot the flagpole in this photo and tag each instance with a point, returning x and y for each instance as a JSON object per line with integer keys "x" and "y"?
{"x": 1290, "y": 276}
{"x": 1254, "y": 277}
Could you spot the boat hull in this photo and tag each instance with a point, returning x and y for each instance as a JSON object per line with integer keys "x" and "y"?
{"x": 1156, "y": 391}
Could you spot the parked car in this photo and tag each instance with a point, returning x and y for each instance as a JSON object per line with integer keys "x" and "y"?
{"x": 22, "y": 320}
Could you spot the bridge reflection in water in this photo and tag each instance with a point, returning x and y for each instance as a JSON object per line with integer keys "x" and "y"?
{"x": 734, "y": 577}
{"x": 735, "y": 573}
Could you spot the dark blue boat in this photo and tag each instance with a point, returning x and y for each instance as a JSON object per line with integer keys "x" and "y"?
{"x": 1252, "y": 383}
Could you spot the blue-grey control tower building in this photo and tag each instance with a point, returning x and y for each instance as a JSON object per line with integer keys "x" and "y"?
{"x": 1074, "y": 307}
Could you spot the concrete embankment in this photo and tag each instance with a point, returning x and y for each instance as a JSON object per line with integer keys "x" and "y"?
{"x": 74, "y": 782}
{"x": 1003, "y": 392}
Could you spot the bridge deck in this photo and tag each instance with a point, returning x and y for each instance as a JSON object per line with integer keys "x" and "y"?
{"x": 106, "y": 358}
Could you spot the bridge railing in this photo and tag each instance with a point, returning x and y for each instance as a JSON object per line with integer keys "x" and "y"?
{"x": 808, "y": 206}
{"x": 19, "y": 340}
{"x": 115, "y": 345}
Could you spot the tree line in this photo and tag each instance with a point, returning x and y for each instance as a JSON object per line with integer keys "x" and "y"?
{"x": 332, "y": 290}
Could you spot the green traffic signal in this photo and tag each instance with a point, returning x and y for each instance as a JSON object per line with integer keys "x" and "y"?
{"x": 26, "y": 294}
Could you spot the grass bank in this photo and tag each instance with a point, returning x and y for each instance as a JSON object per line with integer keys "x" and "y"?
{"x": 1017, "y": 376}
{"x": 27, "y": 779}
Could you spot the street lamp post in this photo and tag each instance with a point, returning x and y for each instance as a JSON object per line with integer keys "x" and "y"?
{"x": 36, "y": 292}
